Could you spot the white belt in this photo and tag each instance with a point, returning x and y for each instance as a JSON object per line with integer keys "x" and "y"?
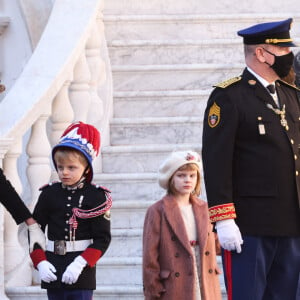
{"x": 61, "y": 247}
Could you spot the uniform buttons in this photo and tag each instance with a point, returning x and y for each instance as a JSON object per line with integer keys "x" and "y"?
{"x": 297, "y": 173}
{"x": 295, "y": 156}
{"x": 292, "y": 141}
{"x": 66, "y": 229}
{"x": 68, "y": 205}
{"x": 206, "y": 253}
{"x": 67, "y": 214}
{"x": 177, "y": 274}
{"x": 69, "y": 198}
{"x": 66, "y": 237}
{"x": 67, "y": 222}
{"x": 210, "y": 271}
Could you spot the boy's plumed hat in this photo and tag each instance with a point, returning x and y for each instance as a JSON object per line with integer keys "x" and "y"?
{"x": 173, "y": 162}
{"x": 272, "y": 33}
{"x": 84, "y": 138}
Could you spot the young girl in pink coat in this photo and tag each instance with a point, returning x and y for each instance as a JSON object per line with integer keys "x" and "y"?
{"x": 179, "y": 247}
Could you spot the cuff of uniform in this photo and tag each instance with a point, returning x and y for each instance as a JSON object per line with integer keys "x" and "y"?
{"x": 222, "y": 212}
{"x": 37, "y": 256}
{"x": 91, "y": 255}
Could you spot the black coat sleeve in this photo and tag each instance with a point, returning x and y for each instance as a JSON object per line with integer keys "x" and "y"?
{"x": 11, "y": 200}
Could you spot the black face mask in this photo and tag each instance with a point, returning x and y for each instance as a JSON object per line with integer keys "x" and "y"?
{"x": 282, "y": 64}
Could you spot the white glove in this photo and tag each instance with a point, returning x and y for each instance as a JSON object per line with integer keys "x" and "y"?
{"x": 73, "y": 270}
{"x": 36, "y": 235}
{"x": 46, "y": 271}
{"x": 229, "y": 235}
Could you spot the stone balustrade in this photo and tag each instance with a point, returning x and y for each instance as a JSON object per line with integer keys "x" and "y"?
{"x": 67, "y": 79}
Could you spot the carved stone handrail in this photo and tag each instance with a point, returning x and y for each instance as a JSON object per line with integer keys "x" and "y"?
{"x": 68, "y": 77}
{"x": 57, "y": 52}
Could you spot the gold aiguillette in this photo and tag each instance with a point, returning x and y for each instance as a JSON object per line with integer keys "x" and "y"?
{"x": 281, "y": 113}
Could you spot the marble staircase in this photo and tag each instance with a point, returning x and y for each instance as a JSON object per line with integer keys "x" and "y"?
{"x": 164, "y": 63}
{"x": 165, "y": 56}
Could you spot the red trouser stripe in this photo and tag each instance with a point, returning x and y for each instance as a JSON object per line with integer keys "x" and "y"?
{"x": 227, "y": 262}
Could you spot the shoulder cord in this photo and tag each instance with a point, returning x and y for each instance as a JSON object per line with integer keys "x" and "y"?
{"x": 88, "y": 214}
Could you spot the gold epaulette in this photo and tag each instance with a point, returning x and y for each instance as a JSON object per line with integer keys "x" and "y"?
{"x": 288, "y": 84}
{"x": 228, "y": 82}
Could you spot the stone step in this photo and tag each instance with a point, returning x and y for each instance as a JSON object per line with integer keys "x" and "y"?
{"x": 127, "y": 241}
{"x": 141, "y": 52}
{"x": 140, "y": 158}
{"x": 127, "y": 215}
{"x": 131, "y": 186}
{"x": 172, "y": 77}
{"x": 196, "y": 7}
{"x": 138, "y": 104}
{"x": 141, "y": 131}
{"x": 126, "y": 270}
{"x": 185, "y": 26}
{"x": 107, "y": 292}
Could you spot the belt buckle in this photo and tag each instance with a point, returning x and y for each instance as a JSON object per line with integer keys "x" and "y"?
{"x": 60, "y": 247}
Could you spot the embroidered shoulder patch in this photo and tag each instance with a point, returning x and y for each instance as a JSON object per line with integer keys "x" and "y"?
{"x": 214, "y": 115}
{"x": 228, "y": 82}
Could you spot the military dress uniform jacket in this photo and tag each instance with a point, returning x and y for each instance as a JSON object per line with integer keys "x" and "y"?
{"x": 251, "y": 162}
{"x": 11, "y": 200}
{"x": 54, "y": 209}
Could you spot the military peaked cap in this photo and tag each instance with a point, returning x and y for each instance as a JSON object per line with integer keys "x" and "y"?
{"x": 273, "y": 33}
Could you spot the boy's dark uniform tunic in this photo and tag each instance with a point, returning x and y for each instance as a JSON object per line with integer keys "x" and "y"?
{"x": 55, "y": 209}
{"x": 252, "y": 162}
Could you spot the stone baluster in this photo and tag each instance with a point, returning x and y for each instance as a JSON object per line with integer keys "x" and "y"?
{"x": 62, "y": 116}
{"x": 97, "y": 69}
{"x": 16, "y": 258}
{"x": 38, "y": 151}
{"x": 104, "y": 83}
{"x": 62, "y": 113}
{"x": 80, "y": 97}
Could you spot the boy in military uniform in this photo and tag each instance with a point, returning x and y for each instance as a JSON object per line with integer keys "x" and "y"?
{"x": 77, "y": 217}
{"x": 250, "y": 154}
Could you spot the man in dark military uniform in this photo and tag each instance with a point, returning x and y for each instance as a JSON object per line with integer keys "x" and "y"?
{"x": 251, "y": 140}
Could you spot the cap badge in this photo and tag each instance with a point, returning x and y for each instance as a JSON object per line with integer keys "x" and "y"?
{"x": 214, "y": 115}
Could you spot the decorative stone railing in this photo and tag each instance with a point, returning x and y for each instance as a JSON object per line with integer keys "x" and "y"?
{"x": 68, "y": 78}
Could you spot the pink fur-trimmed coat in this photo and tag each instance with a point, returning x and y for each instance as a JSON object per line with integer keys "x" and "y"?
{"x": 168, "y": 266}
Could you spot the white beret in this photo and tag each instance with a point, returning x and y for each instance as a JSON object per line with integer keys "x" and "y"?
{"x": 173, "y": 162}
